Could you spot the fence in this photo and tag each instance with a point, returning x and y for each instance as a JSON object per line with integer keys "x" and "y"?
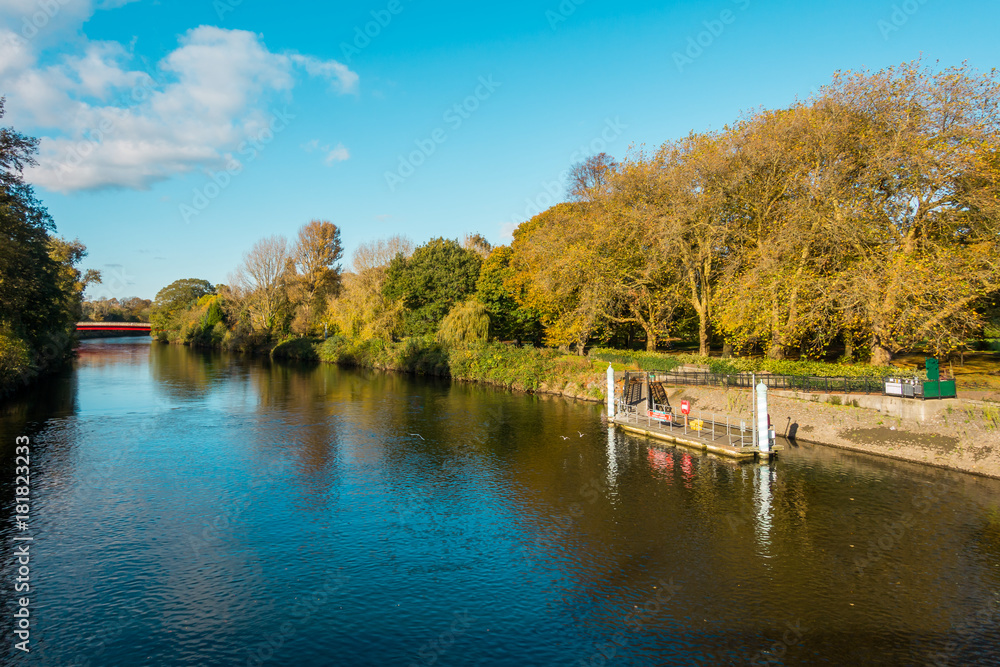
{"x": 846, "y": 385}
{"x": 711, "y": 429}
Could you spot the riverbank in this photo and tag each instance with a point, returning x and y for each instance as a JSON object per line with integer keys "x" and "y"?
{"x": 528, "y": 369}
{"x": 957, "y": 434}
{"x": 21, "y": 365}
{"x": 960, "y": 434}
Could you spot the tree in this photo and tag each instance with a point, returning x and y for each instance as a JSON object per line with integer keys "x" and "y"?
{"x": 550, "y": 277}
{"x": 259, "y": 283}
{"x": 40, "y": 286}
{"x": 29, "y": 294}
{"x": 495, "y": 289}
{"x": 176, "y": 298}
{"x": 362, "y": 310}
{"x": 180, "y": 294}
{"x": 478, "y": 244}
{"x": 792, "y": 186}
{"x": 466, "y": 324}
{"x": 671, "y": 207}
{"x": 70, "y": 282}
{"x": 925, "y": 240}
{"x": 315, "y": 273}
{"x": 588, "y": 178}
{"x": 379, "y": 253}
{"x": 438, "y": 275}
{"x": 129, "y": 309}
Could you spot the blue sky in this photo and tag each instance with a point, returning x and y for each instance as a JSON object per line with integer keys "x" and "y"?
{"x": 174, "y": 135}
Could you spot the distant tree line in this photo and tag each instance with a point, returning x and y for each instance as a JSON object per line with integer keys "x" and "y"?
{"x": 129, "y": 309}
{"x": 862, "y": 221}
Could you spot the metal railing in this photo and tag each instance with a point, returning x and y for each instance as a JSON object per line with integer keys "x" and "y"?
{"x": 827, "y": 385}
{"x": 712, "y": 430}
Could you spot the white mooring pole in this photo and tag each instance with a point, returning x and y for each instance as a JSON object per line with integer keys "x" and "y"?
{"x": 611, "y": 392}
{"x": 763, "y": 435}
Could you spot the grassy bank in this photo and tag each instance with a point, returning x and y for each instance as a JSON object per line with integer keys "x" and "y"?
{"x": 537, "y": 369}
{"x": 655, "y": 361}
{"x": 523, "y": 369}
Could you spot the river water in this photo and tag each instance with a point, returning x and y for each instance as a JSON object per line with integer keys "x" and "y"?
{"x": 193, "y": 508}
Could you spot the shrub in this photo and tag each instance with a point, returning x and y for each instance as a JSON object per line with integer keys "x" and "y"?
{"x": 653, "y": 361}
{"x": 300, "y": 349}
{"x": 467, "y": 323}
{"x": 15, "y": 361}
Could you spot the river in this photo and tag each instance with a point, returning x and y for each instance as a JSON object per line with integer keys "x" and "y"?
{"x": 197, "y": 508}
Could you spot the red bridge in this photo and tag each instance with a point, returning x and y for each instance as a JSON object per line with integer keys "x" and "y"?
{"x": 137, "y": 327}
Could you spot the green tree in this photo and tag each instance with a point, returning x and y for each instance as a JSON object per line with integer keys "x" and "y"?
{"x": 180, "y": 294}
{"x": 438, "y": 275}
{"x": 466, "y": 324}
{"x": 40, "y": 286}
{"x": 30, "y": 300}
{"x": 176, "y": 298}
{"x": 496, "y": 290}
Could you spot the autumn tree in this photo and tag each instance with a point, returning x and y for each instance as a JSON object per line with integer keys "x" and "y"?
{"x": 926, "y": 240}
{"x": 671, "y": 230}
{"x": 549, "y": 255}
{"x": 259, "y": 284}
{"x": 314, "y": 273}
{"x": 790, "y": 198}
{"x": 467, "y": 323}
{"x": 361, "y": 310}
{"x": 478, "y": 244}
{"x": 495, "y": 289}
{"x": 588, "y": 178}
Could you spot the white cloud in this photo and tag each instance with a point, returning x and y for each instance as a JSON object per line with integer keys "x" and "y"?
{"x": 507, "y": 230}
{"x": 338, "y": 153}
{"x": 50, "y": 22}
{"x": 341, "y": 78}
{"x": 103, "y": 123}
